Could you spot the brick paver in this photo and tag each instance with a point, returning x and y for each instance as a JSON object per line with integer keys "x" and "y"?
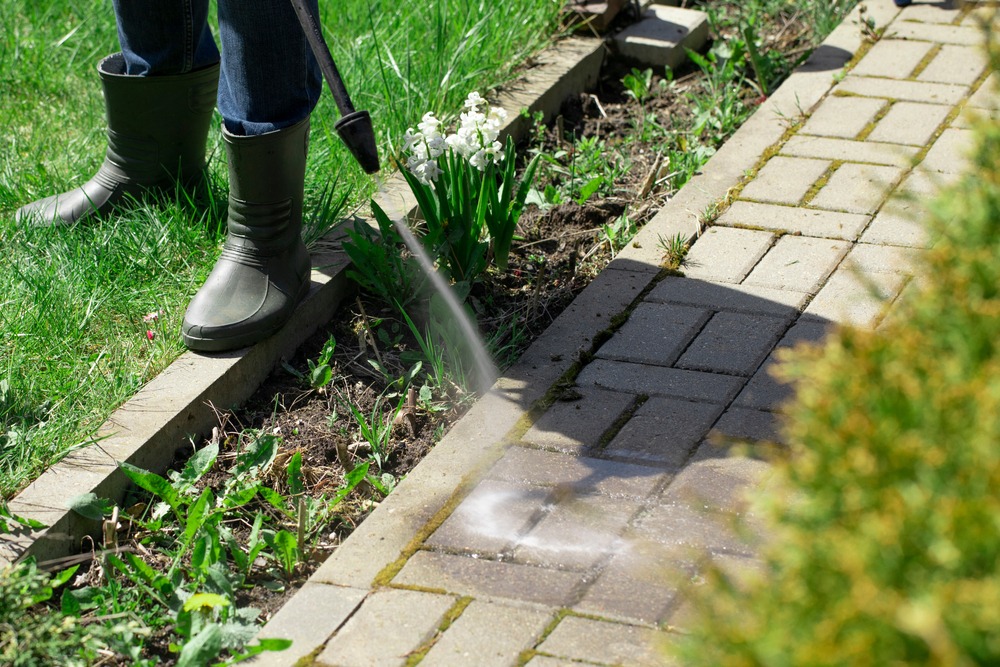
{"x": 911, "y": 91}
{"x": 893, "y": 58}
{"x": 948, "y": 154}
{"x": 639, "y": 585}
{"x": 583, "y": 475}
{"x": 764, "y": 391}
{"x": 577, "y": 533}
{"x": 659, "y": 381}
{"x": 901, "y": 219}
{"x": 569, "y": 542}
{"x": 843, "y": 117}
{"x": 928, "y": 14}
{"x": 726, "y": 255}
{"x": 785, "y": 180}
{"x": 942, "y": 34}
{"x": 664, "y": 430}
{"x": 733, "y": 298}
{"x": 608, "y": 643}
{"x": 986, "y": 96}
{"x": 388, "y": 625}
{"x": 798, "y": 263}
{"x": 479, "y": 577}
{"x": 656, "y": 333}
{"x": 577, "y": 424}
{"x": 955, "y": 64}
{"x": 490, "y": 519}
{"x": 733, "y": 343}
{"x": 850, "y": 151}
{"x": 805, "y": 221}
{"x": 909, "y": 123}
{"x": 848, "y": 299}
{"x": 487, "y": 635}
{"x": 857, "y": 188}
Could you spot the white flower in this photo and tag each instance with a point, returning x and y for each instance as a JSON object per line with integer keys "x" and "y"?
{"x": 411, "y": 138}
{"x": 495, "y": 152}
{"x": 436, "y": 146}
{"x": 429, "y": 126}
{"x": 463, "y": 143}
{"x": 427, "y": 172}
{"x": 474, "y": 100}
{"x": 498, "y": 115}
{"x": 478, "y": 160}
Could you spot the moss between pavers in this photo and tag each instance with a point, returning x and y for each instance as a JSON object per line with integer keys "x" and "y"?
{"x": 820, "y": 182}
{"x": 870, "y": 127}
{"x": 450, "y": 617}
{"x": 945, "y": 124}
{"x": 310, "y": 660}
{"x": 924, "y": 62}
{"x": 619, "y": 423}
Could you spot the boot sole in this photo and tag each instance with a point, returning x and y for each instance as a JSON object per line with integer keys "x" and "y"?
{"x": 247, "y": 339}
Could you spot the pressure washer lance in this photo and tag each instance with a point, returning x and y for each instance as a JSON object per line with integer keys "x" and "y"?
{"x": 354, "y": 127}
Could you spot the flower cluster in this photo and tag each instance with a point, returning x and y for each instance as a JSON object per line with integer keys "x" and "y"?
{"x": 475, "y": 140}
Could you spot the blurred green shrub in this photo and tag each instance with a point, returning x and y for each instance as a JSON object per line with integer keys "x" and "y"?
{"x": 32, "y": 635}
{"x": 890, "y": 553}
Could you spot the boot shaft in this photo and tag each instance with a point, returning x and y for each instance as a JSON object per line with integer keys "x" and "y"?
{"x": 157, "y": 125}
{"x": 266, "y": 186}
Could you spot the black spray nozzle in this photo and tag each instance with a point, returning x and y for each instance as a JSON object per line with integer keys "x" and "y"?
{"x": 354, "y": 127}
{"x": 356, "y": 132}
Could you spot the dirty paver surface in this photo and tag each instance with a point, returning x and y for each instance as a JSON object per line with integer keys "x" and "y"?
{"x": 572, "y": 542}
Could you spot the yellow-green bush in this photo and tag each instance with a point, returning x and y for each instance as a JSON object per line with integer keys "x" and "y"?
{"x": 890, "y": 552}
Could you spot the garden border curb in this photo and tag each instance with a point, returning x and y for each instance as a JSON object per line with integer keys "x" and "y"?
{"x": 374, "y": 552}
{"x": 178, "y": 403}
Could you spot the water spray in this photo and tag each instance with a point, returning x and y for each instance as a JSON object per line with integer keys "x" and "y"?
{"x": 356, "y": 131}
{"x": 486, "y": 374}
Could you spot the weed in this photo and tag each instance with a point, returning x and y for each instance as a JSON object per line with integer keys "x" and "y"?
{"x": 674, "y": 249}
{"x": 639, "y": 85}
{"x": 30, "y": 635}
{"x": 377, "y": 429}
{"x": 379, "y": 264}
{"x": 618, "y": 233}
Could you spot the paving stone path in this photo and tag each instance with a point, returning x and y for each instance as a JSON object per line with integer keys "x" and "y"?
{"x": 564, "y": 543}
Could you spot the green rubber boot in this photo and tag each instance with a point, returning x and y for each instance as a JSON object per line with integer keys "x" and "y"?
{"x": 157, "y": 130}
{"x": 263, "y": 272}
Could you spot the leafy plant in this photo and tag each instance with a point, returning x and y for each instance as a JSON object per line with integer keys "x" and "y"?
{"x": 379, "y": 264}
{"x": 377, "y": 429}
{"x": 617, "y": 234}
{"x": 639, "y": 85}
{"x": 473, "y": 198}
{"x": 442, "y": 346}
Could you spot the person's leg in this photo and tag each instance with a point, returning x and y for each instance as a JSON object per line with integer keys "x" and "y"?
{"x": 159, "y": 95}
{"x": 270, "y": 84}
{"x": 162, "y": 38}
{"x": 270, "y": 79}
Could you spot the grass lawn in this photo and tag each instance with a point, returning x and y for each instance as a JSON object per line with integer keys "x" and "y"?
{"x": 75, "y": 344}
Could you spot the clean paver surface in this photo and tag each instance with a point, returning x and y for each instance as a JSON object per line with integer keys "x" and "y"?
{"x": 568, "y": 537}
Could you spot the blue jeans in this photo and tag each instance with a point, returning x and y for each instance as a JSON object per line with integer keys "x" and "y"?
{"x": 269, "y": 78}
